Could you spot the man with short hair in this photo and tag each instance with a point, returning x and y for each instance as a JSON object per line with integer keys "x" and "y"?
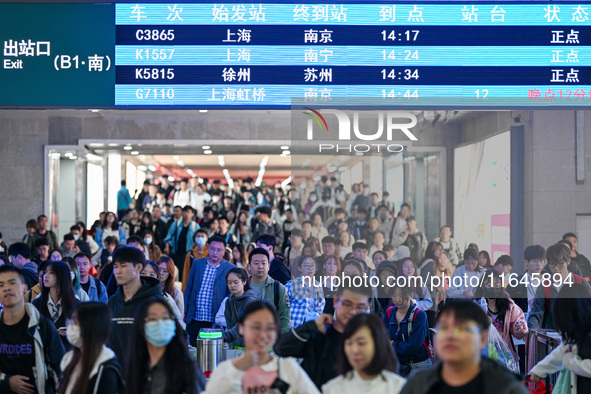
{"x": 180, "y": 238}
{"x": 30, "y": 347}
{"x": 416, "y": 241}
{"x": 93, "y": 287}
{"x": 184, "y": 196}
{"x": 177, "y": 214}
{"x": 504, "y": 266}
{"x": 199, "y": 251}
{"x": 575, "y": 257}
{"x": 268, "y": 226}
{"x": 132, "y": 291}
{"x": 360, "y": 250}
{"x": 462, "y": 334}
{"x": 42, "y": 232}
{"x": 450, "y": 245}
{"x": 558, "y": 257}
{"x": 398, "y": 231}
{"x": 384, "y": 219}
{"x": 68, "y": 247}
{"x": 277, "y": 268}
{"x": 223, "y": 232}
{"x": 42, "y": 247}
{"x": 206, "y": 288}
{"x": 315, "y": 341}
{"x": 266, "y": 288}
{"x": 19, "y": 255}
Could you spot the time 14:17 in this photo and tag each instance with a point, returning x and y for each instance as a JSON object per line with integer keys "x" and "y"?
{"x": 408, "y": 35}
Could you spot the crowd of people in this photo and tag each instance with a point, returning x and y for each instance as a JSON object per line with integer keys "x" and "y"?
{"x": 115, "y": 307}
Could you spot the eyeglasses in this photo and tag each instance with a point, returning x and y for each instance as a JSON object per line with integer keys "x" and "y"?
{"x": 216, "y": 249}
{"x": 361, "y": 308}
{"x": 457, "y": 332}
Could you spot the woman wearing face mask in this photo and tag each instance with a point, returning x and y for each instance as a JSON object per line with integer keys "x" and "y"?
{"x": 199, "y": 250}
{"x": 504, "y": 314}
{"x": 90, "y": 367}
{"x": 57, "y": 298}
{"x": 158, "y": 360}
{"x": 257, "y": 369}
{"x": 153, "y": 249}
{"x": 367, "y": 362}
{"x": 311, "y": 202}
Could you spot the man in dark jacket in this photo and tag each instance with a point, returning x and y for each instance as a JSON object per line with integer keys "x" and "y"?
{"x": 267, "y": 226}
{"x": 277, "y": 268}
{"x": 463, "y": 332}
{"x": 20, "y": 254}
{"x": 316, "y": 341}
{"x": 31, "y": 346}
{"x": 132, "y": 291}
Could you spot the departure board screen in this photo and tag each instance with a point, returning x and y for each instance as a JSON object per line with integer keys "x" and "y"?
{"x": 263, "y": 55}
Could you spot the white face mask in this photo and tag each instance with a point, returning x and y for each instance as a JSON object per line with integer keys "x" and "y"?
{"x": 73, "y": 335}
{"x": 147, "y": 241}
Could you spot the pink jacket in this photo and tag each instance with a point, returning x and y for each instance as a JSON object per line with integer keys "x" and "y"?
{"x": 513, "y": 315}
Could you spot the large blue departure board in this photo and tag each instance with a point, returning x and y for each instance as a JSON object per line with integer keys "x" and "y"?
{"x": 265, "y": 55}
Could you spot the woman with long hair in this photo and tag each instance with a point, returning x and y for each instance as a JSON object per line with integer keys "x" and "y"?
{"x": 330, "y": 268}
{"x": 367, "y": 362}
{"x": 233, "y": 306}
{"x": 505, "y": 315}
{"x": 165, "y": 269}
{"x": 240, "y": 229}
{"x": 443, "y": 270}
{"x": 110, "y": 227}
{"x": 571, "y": 315}
{"x": 158, "y": 359}
{"x": 90, "y": 367}
{"x": 257, "y": 369}
{"x": 239, "y": 256}
{"x": 484, "y": 260}
{"x": 57, "y": 298}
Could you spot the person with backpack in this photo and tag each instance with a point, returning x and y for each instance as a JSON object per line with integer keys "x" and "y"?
{"x": 95, "y": 289}
{"x": 558, "y": 257}
{"x": 266, "y": 288}
{"x": 90, "y": 367}
{"x": 34, "y": 368}
{"x": 409, "y": 331}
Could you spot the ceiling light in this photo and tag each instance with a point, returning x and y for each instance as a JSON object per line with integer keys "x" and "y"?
{"x": 135, "y": 153}
{"x": 73, "y": 157}
{"x": 284, "y": 147}
{"x": 286, "y": 152}
{"x": 175, "y": 157}
{"x": 221, "y": 161}
{"x": 207, "y": 152}
{"x": 152, "y": 168}
{"x": 203, "y": 111}
{"x": 180, "y": 163}
{"x": 113, "y": 144}
{"x": 127, "y": 147}
{"x": 142, "y": 168}
{"x": 68, "y": 154}
{"x": 170, "y": 179}
{"x": 206, "y": 147}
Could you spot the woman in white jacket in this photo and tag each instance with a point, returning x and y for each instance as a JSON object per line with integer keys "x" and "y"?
{"x": 257, "y": 369}
{"x": 572, "y": 319}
